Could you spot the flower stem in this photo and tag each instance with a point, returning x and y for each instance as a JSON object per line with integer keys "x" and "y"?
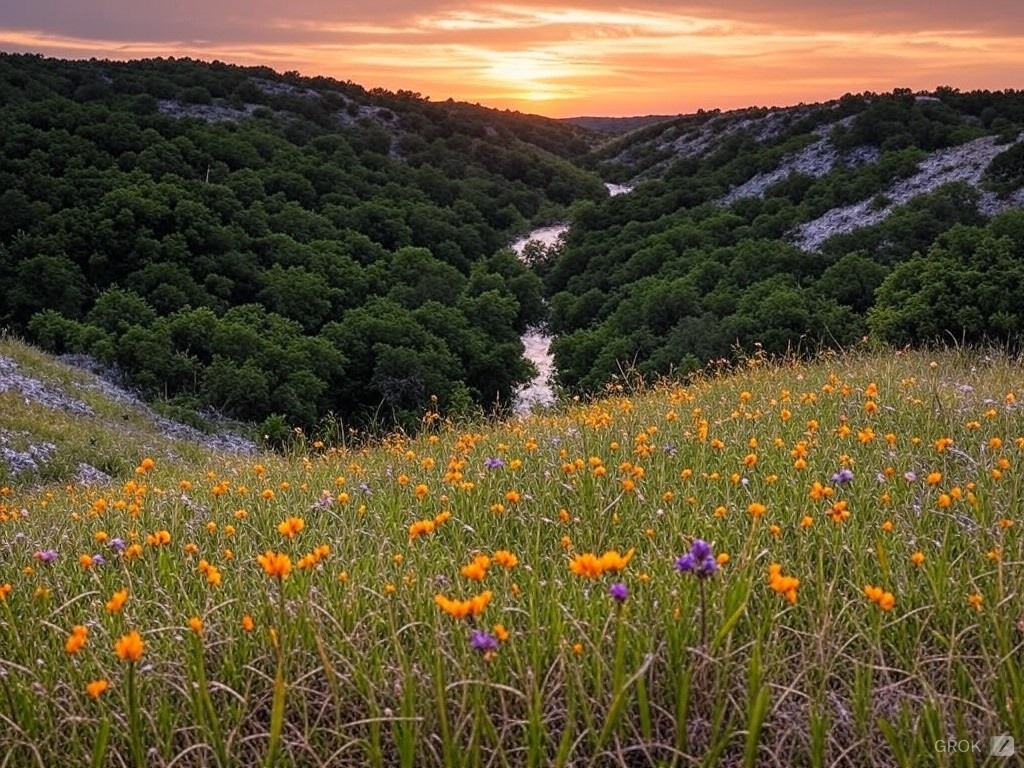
{"x": 703, "y": 614}
{"x": 134, "y": 730}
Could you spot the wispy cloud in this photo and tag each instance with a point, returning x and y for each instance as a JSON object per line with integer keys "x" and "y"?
{"x": 598, "y": 56}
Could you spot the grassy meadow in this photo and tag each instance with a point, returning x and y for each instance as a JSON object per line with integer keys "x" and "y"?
{"x": 518, "y": 593}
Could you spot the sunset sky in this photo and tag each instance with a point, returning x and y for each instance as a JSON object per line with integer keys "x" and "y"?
{"x": 592, "y": 57}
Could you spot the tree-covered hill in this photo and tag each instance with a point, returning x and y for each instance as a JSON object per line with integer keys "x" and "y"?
{"x": 279, "y": 248}
{"x": 266, "y": 244}
{"x": 896, "y": 215}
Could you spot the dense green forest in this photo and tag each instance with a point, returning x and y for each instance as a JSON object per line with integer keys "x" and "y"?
{"x": 677, "y": 274}
{"x": 262, "y": 244}
{"x": 279, "y": 248}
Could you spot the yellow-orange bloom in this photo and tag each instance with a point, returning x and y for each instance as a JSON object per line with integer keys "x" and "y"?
{"x": 96, "y": 687}
{"x": 784, "y": 585}
{"x": 917, "y": 558}
{"x": 421, "y": 527}
{"x": 129, "y": 647}
{"x": 756, "y": 509}
{"x": 591, "y": 566}
{"x": 77, "y": 639}
{"x": 196, "y": 625}
{"x": 587, "y": 565}
{"x": 158, "y": 538}
{"x": 117, "y": 601}
{"x": 248, "y": 623}
{"x": 276, "y": 564}
{"x": 885, "y": 600}
{"x": 477, "y": 569}
{"x": 291, "y": 526}
{"x": 505, "y": 559}
{"x": 976, "y": 600}
{"x": 5, "y": 590}
{"x": 460, "y": 609}
{"x": 613, "y": 561}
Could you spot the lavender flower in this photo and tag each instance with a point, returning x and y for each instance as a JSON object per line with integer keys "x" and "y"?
{"x": 98, "y": 560}
{"x": 700, "y": 561}
{"x": 483, "y": 641}
{"x": 619, "y": 591}
{"x": 494, "y": 462}
{"x": 117, "y": 544}
{"x": 844, "y": 475}
{"x": 46, "y": 555}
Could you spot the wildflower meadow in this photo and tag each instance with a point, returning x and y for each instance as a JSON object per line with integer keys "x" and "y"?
{"x": 796, "y": 564}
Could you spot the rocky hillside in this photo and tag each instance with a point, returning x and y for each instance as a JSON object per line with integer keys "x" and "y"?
{"x": 63, "y": 422}
{"x": 893, "y": 218}
{"x": 810, "y": 142}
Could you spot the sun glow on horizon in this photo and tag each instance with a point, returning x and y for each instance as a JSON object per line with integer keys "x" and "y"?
{"x": 578, "y": 60}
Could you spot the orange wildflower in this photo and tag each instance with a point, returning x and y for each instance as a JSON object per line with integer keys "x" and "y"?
{"x": 117, "y": 601}
{"x": 77, "y": 639}
{"x": 460, "y": 609}
{"x": 784, "y": 585}
{"x": 505, "y": 559}
{"x": 130, "y": 647}
{"x": 477, "y": 569}
{"x": 421, "y": 527}
{"x": 613, "y": 561}
{"x": 587, "y": 565}
{"x": 291, "y": 526}
{"x": 276, "y": 564}
{"x": 885, "y": 600}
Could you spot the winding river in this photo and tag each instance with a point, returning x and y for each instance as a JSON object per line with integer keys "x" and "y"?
{"x": 537, "y": 341}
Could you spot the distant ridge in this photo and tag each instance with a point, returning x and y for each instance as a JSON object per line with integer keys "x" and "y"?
{"x": 617, "y": 124}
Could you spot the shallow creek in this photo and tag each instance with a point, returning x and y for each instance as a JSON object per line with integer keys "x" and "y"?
{"x": 537, "y": 341}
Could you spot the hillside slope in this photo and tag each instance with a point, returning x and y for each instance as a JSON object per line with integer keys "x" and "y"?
{"x": 830, "y": 550}
{"x": 895, "y": 215}
{"x": 273, "y": 246}
{"x": 64, "y": 424}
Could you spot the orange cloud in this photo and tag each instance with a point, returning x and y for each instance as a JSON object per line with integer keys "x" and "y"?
{"x": 595, "y": 58}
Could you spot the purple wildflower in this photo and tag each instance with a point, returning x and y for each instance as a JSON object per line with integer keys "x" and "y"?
{"x": 494, "y": 462}
{"x": 686, "y": 563}
{"x": 844, "y": 475}
{"x": 98, "y": 560}
{"x": 117, "y": 544}
{"x": 700, "y": 561}
{"x": 46, "y": 555}
{"x": 483, "y": 641}
{"x": 619, "y": 591}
